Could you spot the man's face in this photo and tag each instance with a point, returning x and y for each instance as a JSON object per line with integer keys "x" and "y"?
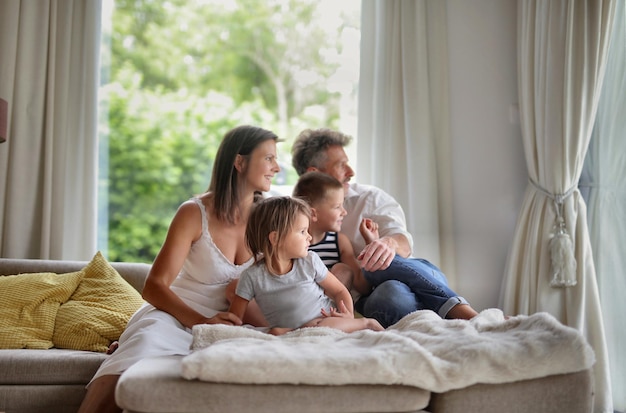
{"x": 337, "y": 165}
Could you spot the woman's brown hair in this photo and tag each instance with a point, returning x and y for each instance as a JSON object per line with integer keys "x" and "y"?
{"x": 224, "y": 186}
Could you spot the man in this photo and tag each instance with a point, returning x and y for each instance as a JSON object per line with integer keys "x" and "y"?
{"x": 323, "y": 150}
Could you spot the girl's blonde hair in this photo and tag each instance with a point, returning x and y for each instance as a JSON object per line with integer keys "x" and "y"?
{"x": 268, "y": 215}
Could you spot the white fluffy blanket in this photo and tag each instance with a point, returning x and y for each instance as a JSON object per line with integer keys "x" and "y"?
{"x": 421, "y": 350}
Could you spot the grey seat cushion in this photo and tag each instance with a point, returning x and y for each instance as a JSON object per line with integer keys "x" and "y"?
{"x": 154, "y": 385}
{"x": 571, "y": 393}
{"x": 51, "y": 398}
{"x": 54, "y": 366}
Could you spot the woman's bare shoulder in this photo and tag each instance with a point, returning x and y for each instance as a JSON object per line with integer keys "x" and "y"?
{"x": 188, "y": 207}
{"x": 192, "y": 205}
{"x": 188, "y": 217}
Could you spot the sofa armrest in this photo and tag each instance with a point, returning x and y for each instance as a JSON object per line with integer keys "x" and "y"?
{"x": 133, "y": 272}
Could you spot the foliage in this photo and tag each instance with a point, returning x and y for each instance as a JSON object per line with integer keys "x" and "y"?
{"x": 183, "y": 73}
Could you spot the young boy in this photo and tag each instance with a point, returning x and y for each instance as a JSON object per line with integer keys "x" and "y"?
{"x": 324, "y": 194}
{"x": 429, "y": 285}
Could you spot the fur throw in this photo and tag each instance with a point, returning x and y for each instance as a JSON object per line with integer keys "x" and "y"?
{"x": 421, "y": 350}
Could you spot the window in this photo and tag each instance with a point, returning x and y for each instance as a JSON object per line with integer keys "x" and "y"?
{"x": 177, "y": 74}
{"x": 603, "y": 185}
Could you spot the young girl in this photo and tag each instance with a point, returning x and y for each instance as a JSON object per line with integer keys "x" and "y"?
{"x": 325, "y": 196}
{"x": 291, "y": 285}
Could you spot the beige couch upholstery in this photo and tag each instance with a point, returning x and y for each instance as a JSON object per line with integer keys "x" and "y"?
{"x": 51, "y": 381}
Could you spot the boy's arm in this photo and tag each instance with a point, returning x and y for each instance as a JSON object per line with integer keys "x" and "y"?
{"x": 338, "y": 292}
{"x": 369, "y": 230}
{"x": 346, "y": 255}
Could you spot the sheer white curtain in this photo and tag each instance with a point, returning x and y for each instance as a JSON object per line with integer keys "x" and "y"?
{"x": 562, "y": 48}
{"x": 604, "y": 181}
{"x": 49, "y": 69}
{"x": 403, "y": 137}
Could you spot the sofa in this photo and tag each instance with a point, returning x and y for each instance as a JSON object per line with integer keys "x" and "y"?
{"x": 53, "y": 380}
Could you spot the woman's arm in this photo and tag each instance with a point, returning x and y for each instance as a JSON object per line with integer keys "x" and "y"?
{"x": 186, "y": 227}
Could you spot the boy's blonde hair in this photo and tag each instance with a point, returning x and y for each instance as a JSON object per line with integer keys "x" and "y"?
{"x": 313, "y": 186}
{"x": 272, "y": 214}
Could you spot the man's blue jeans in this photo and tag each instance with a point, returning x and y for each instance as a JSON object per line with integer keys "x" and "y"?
{"x": 407, "y": 285}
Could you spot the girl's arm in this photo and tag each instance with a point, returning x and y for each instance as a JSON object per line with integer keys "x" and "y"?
{"x": 346, "y": 255}
{"x": 338, "y": 292}
{"x": 184, "y": 229}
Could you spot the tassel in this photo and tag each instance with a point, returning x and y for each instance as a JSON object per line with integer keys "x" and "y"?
{"x": 562, "y": 257}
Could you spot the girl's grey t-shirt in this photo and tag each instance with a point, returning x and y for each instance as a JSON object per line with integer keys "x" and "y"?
{"x": 289, "y": 300}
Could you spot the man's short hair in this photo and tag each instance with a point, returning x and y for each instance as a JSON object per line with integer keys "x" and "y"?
{"x": 309, "y": 149}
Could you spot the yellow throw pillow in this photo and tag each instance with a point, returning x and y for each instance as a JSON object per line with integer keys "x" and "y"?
{"x": 29, "y": 305}
{"x": 97, "y": 312}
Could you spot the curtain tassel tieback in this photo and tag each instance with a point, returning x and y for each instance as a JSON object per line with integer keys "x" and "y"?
{"x": 561, "y": 247}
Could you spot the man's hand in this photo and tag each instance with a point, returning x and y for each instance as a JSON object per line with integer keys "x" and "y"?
{"x": 378, "y": 254}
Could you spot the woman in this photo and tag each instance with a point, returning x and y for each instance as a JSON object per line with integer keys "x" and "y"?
{"x": 204, "y": 250}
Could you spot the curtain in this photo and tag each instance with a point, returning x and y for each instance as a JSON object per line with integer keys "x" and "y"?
{"x": 562, "y": 48}
{"x": 48, "y": 167}
{"x": 403, "y": 128}
{"x": 604, "y": 185}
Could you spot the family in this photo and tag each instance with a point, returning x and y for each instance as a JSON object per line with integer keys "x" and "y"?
{"x": 280, "y": 263}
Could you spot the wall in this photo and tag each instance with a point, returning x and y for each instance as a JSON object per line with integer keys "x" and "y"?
{"x": 489, "y": 170}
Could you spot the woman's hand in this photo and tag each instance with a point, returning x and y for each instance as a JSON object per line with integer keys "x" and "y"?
{"x": 224, "y": 318}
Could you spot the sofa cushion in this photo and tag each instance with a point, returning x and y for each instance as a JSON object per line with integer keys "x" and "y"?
{"x": 98, "y": 310}
{"x": 571, "y": 393}
{"x": 53, "y": 398}
{"x": 155, "y": 385}
{"x": 28, "y": 307}
{"x": 46, "y": 367}
{"x": 133, "y": 272}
